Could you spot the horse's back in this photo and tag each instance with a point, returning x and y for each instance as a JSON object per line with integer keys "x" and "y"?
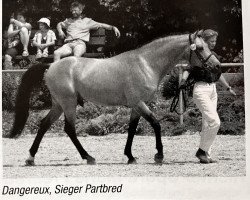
{"x": 119, "y": 80}
{"x": 98, "y": 80}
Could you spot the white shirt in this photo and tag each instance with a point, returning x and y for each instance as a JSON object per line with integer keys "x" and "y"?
{"x": 79, "y": 28}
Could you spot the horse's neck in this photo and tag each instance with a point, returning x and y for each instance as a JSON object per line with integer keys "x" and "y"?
{"x": 163, "y": 54}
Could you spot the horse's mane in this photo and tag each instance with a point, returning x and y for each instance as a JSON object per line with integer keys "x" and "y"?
{"x": 161, "y": 38}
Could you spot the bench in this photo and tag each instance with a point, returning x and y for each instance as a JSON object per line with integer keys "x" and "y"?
{"x": 95, "y": 47}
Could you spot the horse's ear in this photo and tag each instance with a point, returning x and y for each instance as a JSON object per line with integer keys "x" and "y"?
{"x": 199, "y": 33}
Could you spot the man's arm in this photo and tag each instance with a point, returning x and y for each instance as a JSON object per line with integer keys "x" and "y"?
{"x": 109, "y": 27}
{"x": 43, "y": 46}
{"x": 60, "y": 31}
{"x": 11, "y": 32}
{"x": 20, "y": 24}
{"x": 223, "y": 81}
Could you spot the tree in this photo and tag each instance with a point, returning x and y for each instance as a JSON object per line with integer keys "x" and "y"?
{"x": 140, "y": 21}
{"x": 143, "y": 20}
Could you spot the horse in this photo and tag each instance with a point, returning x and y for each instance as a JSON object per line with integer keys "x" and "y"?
{"x": 129, "y": 79}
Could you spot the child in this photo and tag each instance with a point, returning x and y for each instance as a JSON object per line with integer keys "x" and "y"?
{"x": 18, "y": 37}
{"x": 44, "y": 38}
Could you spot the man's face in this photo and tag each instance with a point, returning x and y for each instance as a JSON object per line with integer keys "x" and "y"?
{"x": 76, "y": 12}
{"x": 20, "y": 18}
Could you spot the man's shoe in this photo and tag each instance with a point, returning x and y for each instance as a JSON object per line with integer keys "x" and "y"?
{"x": 204, "y": 157}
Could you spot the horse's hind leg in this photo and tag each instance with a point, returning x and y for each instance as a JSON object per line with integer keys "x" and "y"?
{"x": 70, "y": 118}
{"x": 133, "y": 123}
{"x": 144, "y": 111}
{"x": 46, "y": 122}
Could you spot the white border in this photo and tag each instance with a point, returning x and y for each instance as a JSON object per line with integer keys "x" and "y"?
{"x": 162, "y": 188}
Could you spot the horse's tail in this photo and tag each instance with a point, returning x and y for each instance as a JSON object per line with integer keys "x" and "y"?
{"x": 31, "y": 79}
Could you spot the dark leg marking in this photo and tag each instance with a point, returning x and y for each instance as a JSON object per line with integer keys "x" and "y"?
{"x": 157, "y": 129}
{"x": 143, "y": 109}
{"x": 131, "y": 132}
{"x": 44, "y": 126}
{"x": 70, "y": 130}
{"x": 80, "y": 100}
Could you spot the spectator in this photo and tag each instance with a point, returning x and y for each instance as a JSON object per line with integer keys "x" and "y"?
{"x": 18, "y": 37}
{"x": 44, "y": 38}
{"x": 77, "y": 29}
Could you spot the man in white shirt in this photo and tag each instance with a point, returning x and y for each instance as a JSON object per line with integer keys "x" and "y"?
{"x": 77, "y": 29}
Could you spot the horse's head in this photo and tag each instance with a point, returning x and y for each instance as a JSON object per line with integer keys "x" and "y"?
{"x": 200, "y": 48}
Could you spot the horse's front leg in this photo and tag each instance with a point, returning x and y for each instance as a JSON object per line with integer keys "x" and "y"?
{"x": 134, "y": 120}
{"x": 143, "y": 109}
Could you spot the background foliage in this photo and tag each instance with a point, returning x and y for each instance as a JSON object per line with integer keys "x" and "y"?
{"x": 141, "y": 21}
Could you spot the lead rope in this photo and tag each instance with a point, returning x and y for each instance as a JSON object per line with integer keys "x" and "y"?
{"x": 175, "y": 101}
{"x": 185, "y": 92}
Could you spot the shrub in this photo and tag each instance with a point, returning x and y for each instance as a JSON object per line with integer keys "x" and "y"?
{"x": 40, "y": 98}
{"x": 9, "y": 90}
{"x": 101, "y": 120}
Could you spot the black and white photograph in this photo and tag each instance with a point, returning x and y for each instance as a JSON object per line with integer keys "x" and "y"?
{"x": 124, "y": 99}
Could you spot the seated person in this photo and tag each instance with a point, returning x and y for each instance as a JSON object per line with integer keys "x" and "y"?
{"x": 78, "y": 34}
{"x": 44, "y": 38}
{"x": 18, "y": 37}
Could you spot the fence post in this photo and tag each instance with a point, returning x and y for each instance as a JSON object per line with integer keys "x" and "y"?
{"x": 180, "y": 95}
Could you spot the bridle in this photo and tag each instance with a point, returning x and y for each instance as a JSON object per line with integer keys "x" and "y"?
{"x": 204, "y": 61}
{"x": 200, "y": 57}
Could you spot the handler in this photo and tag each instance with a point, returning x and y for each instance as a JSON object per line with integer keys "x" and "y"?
{"x": 78, "y": 34}
{"x": 205, "y": 97}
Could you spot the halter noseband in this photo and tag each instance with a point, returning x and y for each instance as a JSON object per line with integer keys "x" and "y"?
{"x": 200, "y": 57}
{"x": 175, "y": 100}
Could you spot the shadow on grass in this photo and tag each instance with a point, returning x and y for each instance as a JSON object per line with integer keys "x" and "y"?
{"x": 119, "y": 163}
{"x": 63, "y": 164}
{"x": 174, "y": 163}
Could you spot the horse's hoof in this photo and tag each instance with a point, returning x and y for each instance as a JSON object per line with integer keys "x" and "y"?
{"x": 29, "y": 162}
{"x": 158, "y": 158}
{"x": 132, "y": 161}
{"x": 91, "y": 161}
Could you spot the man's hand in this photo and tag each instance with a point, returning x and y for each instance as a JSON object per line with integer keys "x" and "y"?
{"x": 117, "y": 32}
{"x": 61, "y": 34}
